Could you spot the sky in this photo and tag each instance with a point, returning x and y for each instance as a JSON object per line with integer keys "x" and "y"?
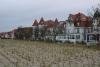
{"x": 15, "y": 13}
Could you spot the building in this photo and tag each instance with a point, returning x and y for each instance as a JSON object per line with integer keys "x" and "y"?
{"x": 75, "y": 28}
{"x": 44, "y": 29}
{"x": 93, "y": 32}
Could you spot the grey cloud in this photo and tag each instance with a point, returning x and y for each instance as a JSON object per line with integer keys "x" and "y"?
{"x": 14, "y": 13}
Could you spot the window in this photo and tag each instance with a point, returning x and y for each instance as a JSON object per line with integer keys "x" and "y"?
{"x": 78, "y": 30}
{"x": 64, "y": 37}
{"x": 72, "y": 37}
{"x": 77, "y": 36}
{"x": 91, "y": 37}
{"x": 98, "y": 29}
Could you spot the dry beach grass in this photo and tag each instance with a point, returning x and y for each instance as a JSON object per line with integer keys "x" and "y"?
{"x": 18, "y": 53}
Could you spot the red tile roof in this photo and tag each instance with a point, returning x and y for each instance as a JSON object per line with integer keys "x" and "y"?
{"x": 48, "y": 23}
{"x": 80, "y": 20}
{"x": 41, "y": 21}
{"x": 35, "y": 23}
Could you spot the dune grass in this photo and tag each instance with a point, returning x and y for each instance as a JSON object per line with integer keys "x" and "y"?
{"x": 46, "y": 54}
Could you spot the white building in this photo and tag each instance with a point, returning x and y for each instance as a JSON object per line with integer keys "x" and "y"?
{"x": 72, "y": 33}
{"x": 80, "y": 32}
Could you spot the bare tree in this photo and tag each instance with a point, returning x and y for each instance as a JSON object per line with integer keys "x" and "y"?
{"x": 93, "y": 9}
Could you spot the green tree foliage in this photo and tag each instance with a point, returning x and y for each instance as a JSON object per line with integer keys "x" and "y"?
{"x": 24, "y": 33}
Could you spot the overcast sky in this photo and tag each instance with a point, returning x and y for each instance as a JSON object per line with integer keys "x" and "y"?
{"x": 14, "y": 13}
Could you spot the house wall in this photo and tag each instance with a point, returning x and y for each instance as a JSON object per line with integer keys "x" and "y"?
{"x": 69, "y": 27}
{"x": 73, "y": 34}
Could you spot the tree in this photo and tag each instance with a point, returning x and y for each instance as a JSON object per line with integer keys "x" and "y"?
{"x": 24, "y": 33}
{"x": 93, "y": 9}
{"x": 36, "y": 33}
{"x": 19, "y": 33}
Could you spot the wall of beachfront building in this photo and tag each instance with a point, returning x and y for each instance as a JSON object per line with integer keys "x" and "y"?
{"x": 45, "y": 29}
{"x": 73, "y": 34}
{"x": 5, "y": 35}
{"x": 76, "y": 27}
{"x": 91, "y": 36}
{"x": 93, "y": 33}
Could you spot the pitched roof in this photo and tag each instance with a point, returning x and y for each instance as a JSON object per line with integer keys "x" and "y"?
{"x": 56, "y": 20}
{"x": 35, "y": 23}
{"x": 41, "y": 21}
{"x": 51, "y": 23}
{"x": 48, "y": 23}
{"x": 80, "y": 19}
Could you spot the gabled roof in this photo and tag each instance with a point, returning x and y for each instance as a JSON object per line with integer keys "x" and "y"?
{"x": 56, "y": 20}
{"x": 80, "y": 20}
{"x": 51, "y": 23}
{"x": 48, "y": 23}
{"x": 41, "y": 21}
{"x": 35, "y": 23}
{"x": 77, "y": 17}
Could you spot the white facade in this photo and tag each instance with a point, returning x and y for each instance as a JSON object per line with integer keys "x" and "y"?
{"x": 73, "y": 34}
{"x": 69, "y": 27}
